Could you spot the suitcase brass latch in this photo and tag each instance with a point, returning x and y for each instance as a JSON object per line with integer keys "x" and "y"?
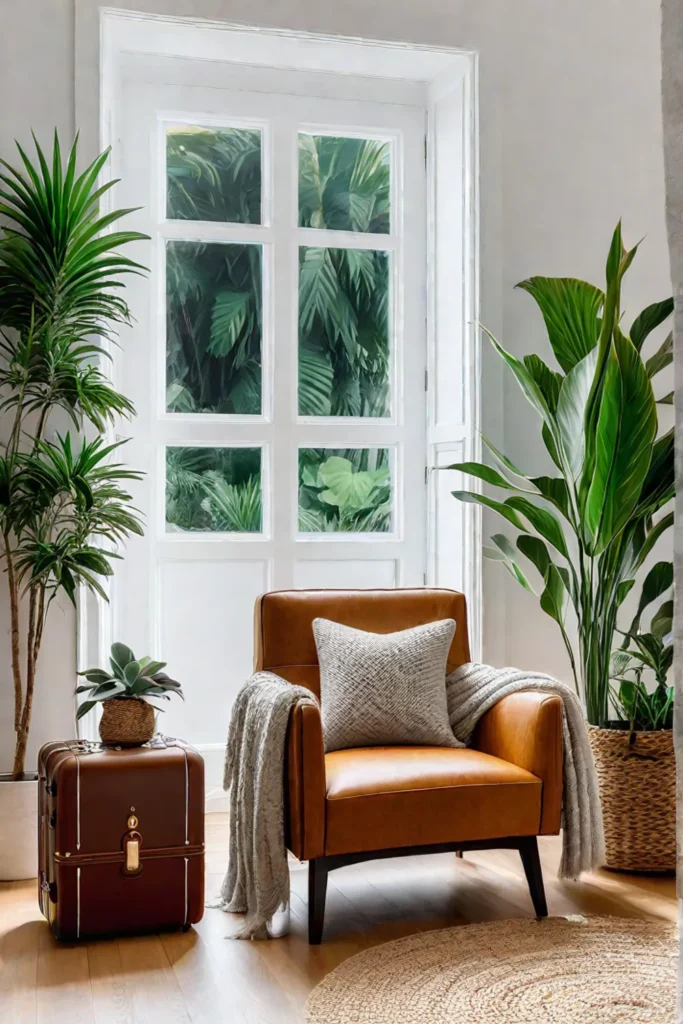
{"x": 131, "y": 848}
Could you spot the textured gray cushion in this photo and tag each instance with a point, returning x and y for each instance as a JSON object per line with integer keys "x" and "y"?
{"x": 384, "y": 688}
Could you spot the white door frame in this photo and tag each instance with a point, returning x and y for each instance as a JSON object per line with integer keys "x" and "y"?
{"x": 447, "y": 81}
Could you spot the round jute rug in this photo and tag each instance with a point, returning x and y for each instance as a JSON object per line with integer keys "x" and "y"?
{"x": 598, "y": 970}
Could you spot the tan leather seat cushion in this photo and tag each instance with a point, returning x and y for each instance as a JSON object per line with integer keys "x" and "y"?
{"x": 385, "y": 797}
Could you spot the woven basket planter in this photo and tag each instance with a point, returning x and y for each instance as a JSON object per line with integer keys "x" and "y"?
{"x": 638, "y": 796}
{"x": 126, "y": 723}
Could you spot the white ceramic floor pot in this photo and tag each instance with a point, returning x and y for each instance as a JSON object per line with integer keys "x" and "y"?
{"x": 18, "y": 829}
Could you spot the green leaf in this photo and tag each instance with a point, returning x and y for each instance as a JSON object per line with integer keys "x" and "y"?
{"x": 548, "y": 380}
{"x": 659, "y": 579}
{"x": 623, "y": 590}
{"x": 482, "y": 472}
{"x": 150, "y": 668}
{"x": 658, "y": 487}
{"x": 570, "y": 309}
{"x": 554, "y": 596}
{"x": 649, "y": 319}
{"x": 535, "y": 550}
{"x": 95, "y": 675}
{"x": 316, "y": 379}
{"x": 662, "y": 358}
{"x": 571, "y": 410}
{"x": 319, "y": 287}
{"x": 530, "y": 388}
{"x": 551, "y": 446}
{"x": 626, "y": 428}
{"x": 555, "y": 490}
{"x": 503, "y": 459}
{"x": 542, "y": 520}
{"x": 57, "y": 276}
{"x": 228, "y": 319}
{"x": 131, "y": 673}
{"x": 509, "y": 558}
{"x": 84, "y": 708}
{"x": 105, "y": 691}
{"x": 493, "y": 554}
{"x": 500, "y": 507}
{"x": 662, "y": 621}
{"x": 668, "y": 399}
{"x": 618, "y": 262}
{"x": 651, "y": 538}
{"x": 347, "y": 488}
{"x": 121, "y": 655}
{"x": 233, "y": 507}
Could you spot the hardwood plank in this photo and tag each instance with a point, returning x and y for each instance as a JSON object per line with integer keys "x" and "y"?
{"x": 112, "y": 1000}
{"x": 239, "y": 970}
{"x": 205, "y": 977}
{"x": 207, "y": 1001}
{"x": 151, "y": 982}
{"x": 19, "y": 943}
{"x": 64, "y": 994}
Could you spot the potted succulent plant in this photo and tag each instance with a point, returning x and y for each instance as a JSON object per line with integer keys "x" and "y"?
{"x": 589, "y": 529}
{"x": 64, "y": 506}
{"x": 127, "y": 691}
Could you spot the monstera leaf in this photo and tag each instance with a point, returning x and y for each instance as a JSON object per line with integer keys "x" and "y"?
{"x": 348, "y": 489}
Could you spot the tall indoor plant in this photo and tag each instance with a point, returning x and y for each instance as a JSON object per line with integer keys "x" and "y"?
{"x": 589, "y": 528}
{"x": 63, "y": 502}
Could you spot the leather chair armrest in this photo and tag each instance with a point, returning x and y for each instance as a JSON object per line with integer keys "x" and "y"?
{"x": 526, "y": 729}
{"x": 305, "y": 783}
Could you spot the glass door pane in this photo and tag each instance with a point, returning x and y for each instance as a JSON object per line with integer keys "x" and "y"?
{"x": 213, "y": 489}
{"x": 213, "y": 174}
{"x": 344, "y": 183}
{"x": 345, "y": 490}
{"x": 344, "y": 300}
{"x": 213, "y": 327}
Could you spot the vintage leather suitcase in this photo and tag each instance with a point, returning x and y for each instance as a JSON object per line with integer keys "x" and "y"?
{"x": 121, "y": 837}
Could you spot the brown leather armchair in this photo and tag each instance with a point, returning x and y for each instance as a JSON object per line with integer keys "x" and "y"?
{"x": 361, "y": 804}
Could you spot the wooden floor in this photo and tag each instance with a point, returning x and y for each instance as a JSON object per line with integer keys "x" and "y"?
{"x": 200, "y": 978}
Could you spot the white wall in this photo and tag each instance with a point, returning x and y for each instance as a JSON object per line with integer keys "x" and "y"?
{"x": 571, "y": 140}
{"x": 37, "y": 90}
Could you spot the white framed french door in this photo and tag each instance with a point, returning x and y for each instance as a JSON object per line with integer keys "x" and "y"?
{"x": 277, "y": 364}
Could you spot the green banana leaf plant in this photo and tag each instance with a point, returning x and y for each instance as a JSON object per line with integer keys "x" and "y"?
{"x": 650, "y": 655}
{"x": 589, "y": 528}
{"x": 64, "y": 506}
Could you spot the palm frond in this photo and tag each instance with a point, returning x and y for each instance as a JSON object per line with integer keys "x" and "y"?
{"x": 58, "y": 270}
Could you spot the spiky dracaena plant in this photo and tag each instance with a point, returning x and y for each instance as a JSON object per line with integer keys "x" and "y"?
{"x": 589, "y": 529}
{"x": 63, "y": 504}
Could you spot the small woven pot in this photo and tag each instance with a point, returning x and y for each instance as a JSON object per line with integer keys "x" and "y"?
{"x": 638, "y": 795}
{"x": 126, "y": 722}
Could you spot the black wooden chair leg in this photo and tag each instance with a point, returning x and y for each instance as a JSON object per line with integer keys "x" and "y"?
{"x": 458, "y": 853}
{"x": 317, "y": 890}
{"x": 528, "y": 851}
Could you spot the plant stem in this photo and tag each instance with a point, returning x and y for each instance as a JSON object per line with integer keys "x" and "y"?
{"x": 34, "y": 642}
{"x": 14, "y": 618}
{"x": 30, "y": 636}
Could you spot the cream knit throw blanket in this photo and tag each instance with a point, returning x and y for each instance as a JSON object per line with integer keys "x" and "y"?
{"x": 473, "y": 689}
{"x": 257, "y": 880}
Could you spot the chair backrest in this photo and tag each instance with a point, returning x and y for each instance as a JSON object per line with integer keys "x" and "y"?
{"x": 283, "y": 620}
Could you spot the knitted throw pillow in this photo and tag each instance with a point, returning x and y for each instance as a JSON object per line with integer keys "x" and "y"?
{"x": 384, "y": 688}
